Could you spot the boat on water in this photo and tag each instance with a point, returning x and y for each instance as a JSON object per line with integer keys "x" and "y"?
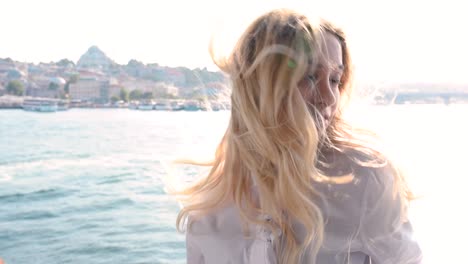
{"x": 133, "y": 105}
{"x": 146, "y": 105}
{"x": 163, "y": 106}
{"x": 63, "y": 106}
{"x": 177, "y": 106}
{"x": 40, "y": 105}
{"x": 192, "y": 105}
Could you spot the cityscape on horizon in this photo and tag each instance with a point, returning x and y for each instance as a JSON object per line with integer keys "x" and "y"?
{"x": 96, "y": 78}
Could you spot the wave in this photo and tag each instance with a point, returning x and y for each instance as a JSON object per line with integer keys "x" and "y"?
{"x": 105, "y": 161}
{"x": 31, "y": 215}
{"x": 37, "y": 157}
{"x": 42, "y": 194}
{"x": 115, "y": 178}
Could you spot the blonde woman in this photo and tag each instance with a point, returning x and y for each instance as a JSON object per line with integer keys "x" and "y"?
{"x": 291, "y": 181}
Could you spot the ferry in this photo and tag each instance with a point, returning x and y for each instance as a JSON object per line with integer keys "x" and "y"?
{"x": 146, "y": 105}
{"x": 40, "y": 105}
{"x": 177, "y": 106}
{"x": 133, "y": 105}
{"x": 163, "y": 106}
{"x": 191, "y": 105}
{"x": 63, "y": 106}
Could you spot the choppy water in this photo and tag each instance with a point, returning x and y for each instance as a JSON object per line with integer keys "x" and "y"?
{"x": 85, "y": 186}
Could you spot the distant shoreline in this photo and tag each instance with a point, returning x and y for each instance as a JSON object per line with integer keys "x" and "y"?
{"x": 220, "y": 110}
{"x": 8, "y": 102}
{"x": 34, "y": 103}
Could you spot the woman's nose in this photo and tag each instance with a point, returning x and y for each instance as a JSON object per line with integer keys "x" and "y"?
{"x": 326, "y": 96}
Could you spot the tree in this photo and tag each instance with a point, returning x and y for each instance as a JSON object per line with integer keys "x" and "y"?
{"x": 114, "y": 99}
{"x": 53, "y": 86}
{"x": 63, "y": 95}
{"x": 65, "y": 63}
{"x": 135, "y": 63}
{"x": 124, "y": 95}
{"x": 147, "y": 95}
{"x": 15, "y": 87}
{"x": 66, "y": 88}
{"x": 135, "y": 95}
{"x": 73, "y": 79}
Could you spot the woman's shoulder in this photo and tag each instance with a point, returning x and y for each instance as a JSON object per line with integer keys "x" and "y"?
{"x": 219, "y": 236}
{"x": 369, "y": 165}
{"x": 359, "y": 165}
{"x": 223, "y": 221}
{"x": 367, "y": 178}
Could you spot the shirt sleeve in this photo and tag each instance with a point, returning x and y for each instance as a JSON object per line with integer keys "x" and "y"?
{"x": 385, "y": 235}
{"x": 218, "y": 238}
{"x": 194, "y": 253}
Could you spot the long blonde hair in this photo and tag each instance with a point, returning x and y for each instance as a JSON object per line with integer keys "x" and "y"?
{"x": 272, "y": 142}
{"x": 357, "y": 143}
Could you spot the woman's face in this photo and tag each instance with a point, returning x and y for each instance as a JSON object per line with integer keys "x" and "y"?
{"x": 323, "y": 97}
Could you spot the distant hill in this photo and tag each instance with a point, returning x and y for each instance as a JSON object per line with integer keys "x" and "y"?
{"x": 181, "y": 77}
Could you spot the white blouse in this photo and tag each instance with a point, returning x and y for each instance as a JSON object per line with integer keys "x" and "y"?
{"x": 362, "y": 226}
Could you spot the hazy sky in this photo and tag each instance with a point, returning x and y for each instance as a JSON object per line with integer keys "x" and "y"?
{"x": 399, "y": 40}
